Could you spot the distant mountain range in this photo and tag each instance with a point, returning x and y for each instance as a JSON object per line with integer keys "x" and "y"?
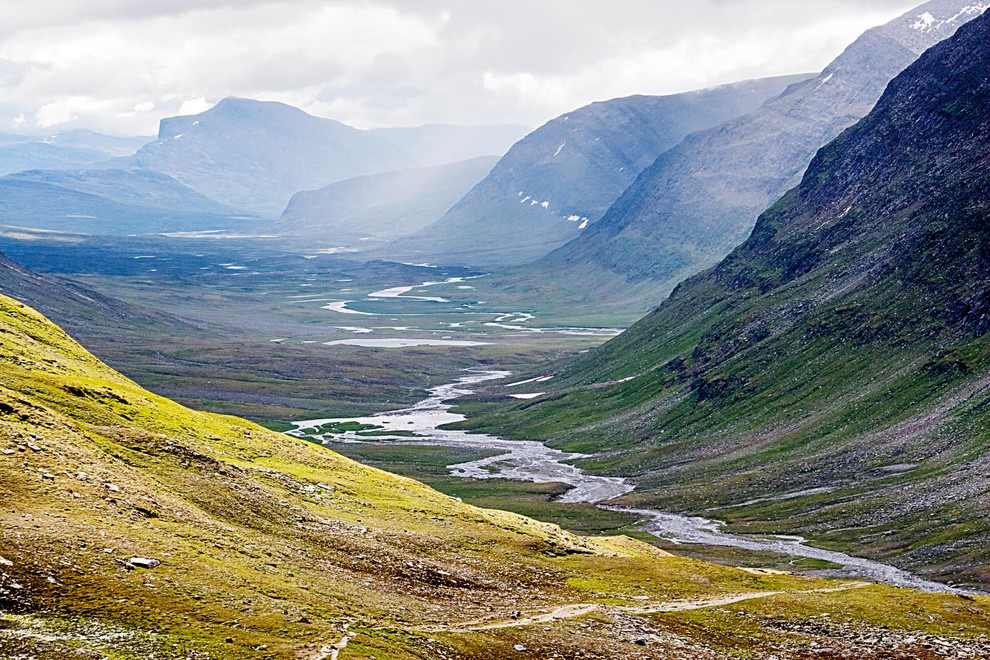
{"x": 255, "y": 155}
{"x": 831, "y": 377}
{"x": 562, "y": 177}
{"x": 139, "y": 187}
{"x": 68, "y": 150}
{"x": 138, "y": 203}
{"x": 380, "y": 206}
{"x": 242, "y": 157}
{"x": 701, "y": 199}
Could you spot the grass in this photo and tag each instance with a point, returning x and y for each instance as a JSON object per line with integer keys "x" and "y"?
{"x": 271, "y": 541}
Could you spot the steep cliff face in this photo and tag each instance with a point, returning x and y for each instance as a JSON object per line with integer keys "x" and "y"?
{"x": 701, "y": 199}
{"x": 832, "y": 375}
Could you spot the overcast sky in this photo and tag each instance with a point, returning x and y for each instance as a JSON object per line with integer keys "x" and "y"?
{"x": 121, "y": 65}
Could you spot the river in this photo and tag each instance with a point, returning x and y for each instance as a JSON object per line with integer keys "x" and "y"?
{"x": 535, "y": 462}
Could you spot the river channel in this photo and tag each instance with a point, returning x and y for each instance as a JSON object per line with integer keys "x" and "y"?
{"x": 535, "y": 462}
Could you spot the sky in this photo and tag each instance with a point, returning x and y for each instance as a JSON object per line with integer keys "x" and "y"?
{"x": 119, "y": 66}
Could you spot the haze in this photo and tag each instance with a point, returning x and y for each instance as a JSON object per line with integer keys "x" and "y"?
{"x": 119, "y": 66}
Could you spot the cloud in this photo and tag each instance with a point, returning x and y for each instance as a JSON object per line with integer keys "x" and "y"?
{"x": 120, "y": 66}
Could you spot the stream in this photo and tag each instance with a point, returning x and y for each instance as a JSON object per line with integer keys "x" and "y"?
{"x": 535, "y": 462}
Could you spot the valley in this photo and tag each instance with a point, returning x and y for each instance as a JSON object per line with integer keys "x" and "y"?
{"x": 697, "y": 369}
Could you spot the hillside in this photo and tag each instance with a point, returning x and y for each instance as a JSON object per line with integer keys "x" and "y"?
{"x": 831, "y": 377}
{"x": 384, "y": 206}
{"x": 255, "y": 155}
{"x": 17, "y": 156}
{"x": 701, "y": 199}
{"x": 143, "y": 188}
{"x": 111, "y": 145}
{"x": 83, "y": 310}
{"x": 135, "y": 528}
{"x": 34, "y": 201}
{"x": 563, "y": 176}
{"x": 67, "y": 150}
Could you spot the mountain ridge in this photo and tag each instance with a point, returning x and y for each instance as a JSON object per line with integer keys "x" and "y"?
{"x": 560, "y": 178}
{"x": 829, "y": 377}
{"x": 700, "y": 199}
{"x": 257, "y": 154}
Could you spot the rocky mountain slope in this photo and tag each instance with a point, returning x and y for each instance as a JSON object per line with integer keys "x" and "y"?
{"x": 383, "y": 206}
{"x": 831, "y": 377}
{"x": 136, "y": 528}
{"x": 563, "y": 176}
{"x": 701, "y": 199}
{"x": 255, "y": 155}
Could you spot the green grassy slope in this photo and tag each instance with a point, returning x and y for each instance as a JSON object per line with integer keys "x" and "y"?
{"x": 843, "y": 347}
{"x": 271, "y": 547}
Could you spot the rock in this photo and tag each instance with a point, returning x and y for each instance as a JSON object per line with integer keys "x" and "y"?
{"x": 112, "y": 488}
{"x": 5, "y": 562}
{"x": 519, "y": 647}
{"x": 229, "y": 640}
{"x": 33, "y": 447}
{"x": 144, "y": 562}
{"x": 8, "y": 452}
{"x": 641, "y": 642}
{"x": 82, "y": 476}
{"x": 327, "y": 487}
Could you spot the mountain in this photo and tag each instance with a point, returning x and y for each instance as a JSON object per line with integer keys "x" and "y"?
{"x": 700, "y": 199}
{"x": 17, "y": 156}
{"x": 439, "y": 144}
{"x": 385, "y": 206}
{"x": 255, "y": 155}
{"x": 133, "y": 527}
{"x": 831, "y": 377}
{"x": 68, "y": 150}
{"x": 139, "y": 187}
{"x": 111, "y": 145}
{"x": 34, "y": 201}
{"x": 563, "y": 176}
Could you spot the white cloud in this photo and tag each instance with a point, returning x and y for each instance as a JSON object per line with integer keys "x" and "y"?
{"x": 194, "y": 106}
{"x": 120, "y": 66}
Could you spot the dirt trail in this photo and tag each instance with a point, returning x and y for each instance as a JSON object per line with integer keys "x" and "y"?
{"x": 581, "y": 609}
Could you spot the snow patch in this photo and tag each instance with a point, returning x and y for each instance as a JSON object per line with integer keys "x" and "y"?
{"x": 559, "y": 149}
{"x": 924, "y": 22}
